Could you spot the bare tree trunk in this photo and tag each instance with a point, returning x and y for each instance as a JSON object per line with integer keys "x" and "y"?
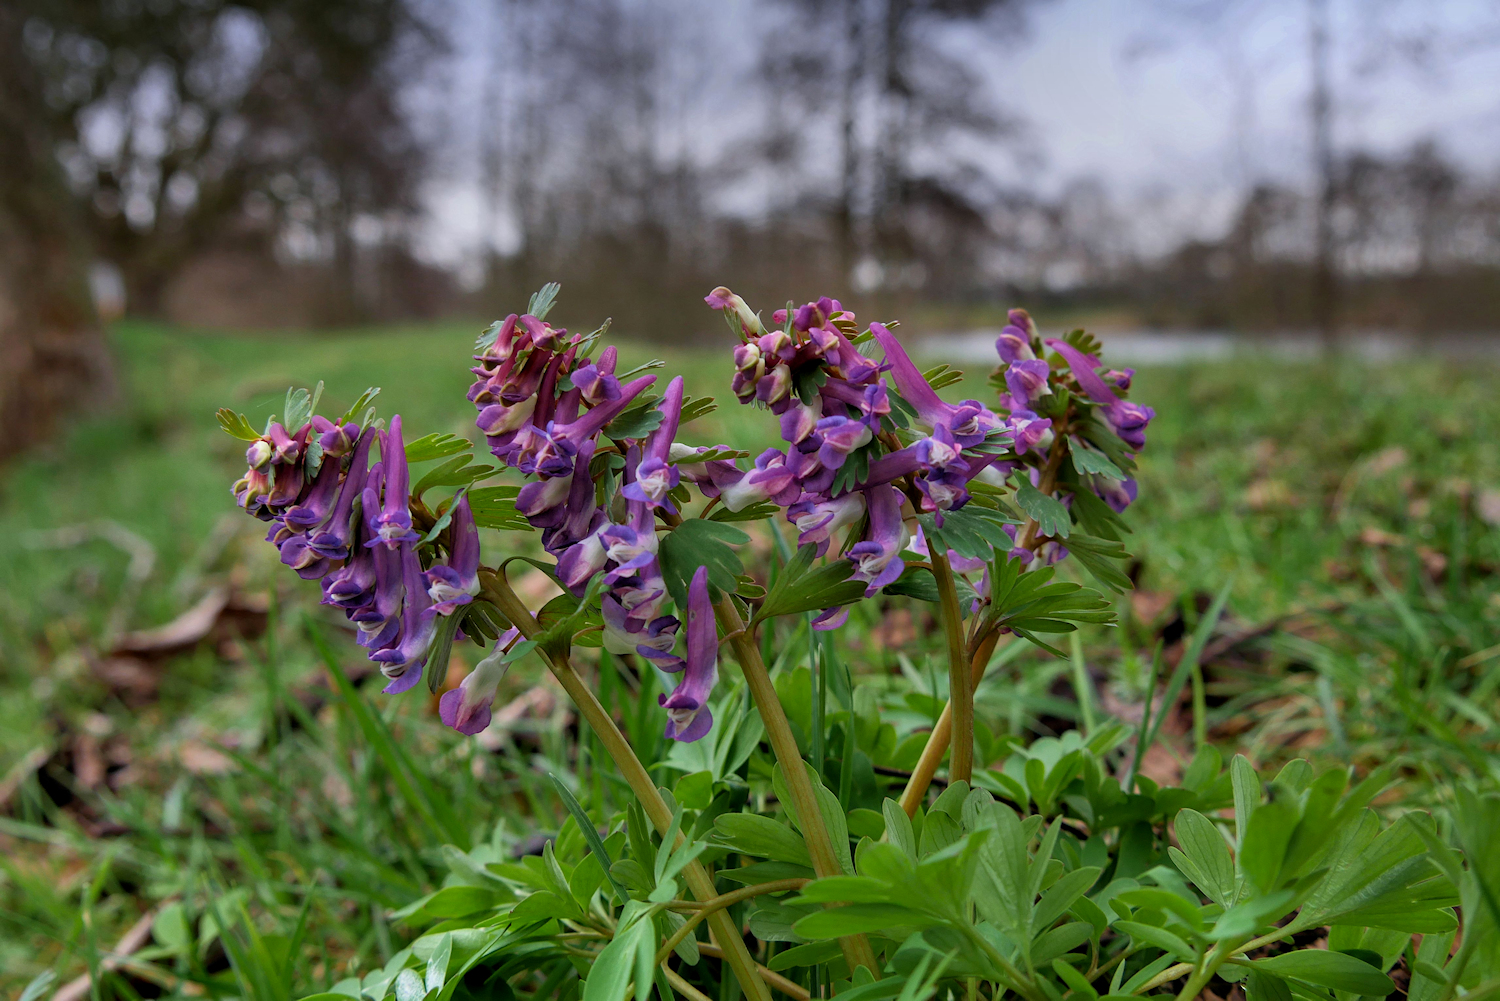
{"x": 53, "y": 358}
{"x": 848, "y": 114}
{"x": 1325, "y": 284}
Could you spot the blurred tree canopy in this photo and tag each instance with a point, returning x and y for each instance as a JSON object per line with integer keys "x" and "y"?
{"x": 269, "y": 124}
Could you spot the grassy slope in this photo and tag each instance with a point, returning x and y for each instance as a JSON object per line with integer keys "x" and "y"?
{"x": 1262, "y": 472}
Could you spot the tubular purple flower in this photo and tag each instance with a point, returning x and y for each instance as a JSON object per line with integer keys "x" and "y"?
{"x": 656, "y": 640}
{"x": 654, "y": 476}
{"x": 581, "y": 561}
{"x": 799, "y": 421}
{"x": 286, "y": 486}
{"x": 596, "y": 381}
{"x": 456, "y": 584}
{"x": 877, "y": 560}
{"x": 1027, "y": 380}
{"x": 970, "y": 421}
{"x": 688, "y": 716}
{"x": 379, "y": 620}
{"x": 317, "y": 501}
{"x": 336, "y": 440}
{"x": 1028, "y": 431}
{"x": 580, "y": 515}
{"x": 250, "y": 492}
{"x": 831, "y": 618}
{"x": 1129, "y": 421}
{"x": 467, "y": 707}
{"x": 541, "y": 498}
{"x": 816, "y": 521}
{"x": 352, "y": 585}
{"x": 591, "y": 423}
{"x": 402, "y": 661}
{"x": 335, "y": 539}
{"x": 391, "y": 525}
{"x": 723, "y": 299}
{"x": 841, "y": 436}
{"x": 1083, "y": 367}
{"x": 296, "y": 554}
{"x": 1118, "y": 494}
{"x": 1014, "y": 344}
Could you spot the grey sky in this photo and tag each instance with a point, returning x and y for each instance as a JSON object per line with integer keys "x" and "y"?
{"x": 1175, "y": 112}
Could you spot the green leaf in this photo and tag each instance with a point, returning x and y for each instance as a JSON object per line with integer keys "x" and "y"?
{"x": 692, "y": 409}
{"x": 943, "y": 375}
{"x": 436, "y": 446}
{"x": 38, "y": 986}
{"x": 637, "y": 421}
{"x": 235, "y": 425}
{"x": 759, "y": 511}
{"x": 856, "y": 919}
{"x": 590, "y": 833}
{"x": 1323, "y": 968}
{"x": 1060, "y": 940}
{"x": 1101, "y": 558}
{"x": 800, "y": 587}
{"x": 1088, "y": 460}
{"x": 456, "y": 472}
{"x": 358, "y": 406}
{"x": 1048, "y": 512}
{"x": 495, "y": 507}
{"x": 299, "y": 406}
{"x": 610, "y": 976}
{"x": 1158, "y": 937}
{"x": 751, "y": 834}
{"x": 698, "y": 542}
{"x": 442, "y": 646}
{"x": 1263, "y": 845}
{"x": 1207, "y": 856}
{"x": 539, "y": 305}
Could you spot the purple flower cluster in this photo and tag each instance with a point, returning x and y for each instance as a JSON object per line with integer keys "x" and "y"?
{"x": 337, "y": 518}
{"x": 835, "y": 405}
{"x": 1028, "y": 377}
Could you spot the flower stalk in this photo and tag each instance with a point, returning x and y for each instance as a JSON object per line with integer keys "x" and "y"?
{"x": 960, "y": 692}
{"x": 804, "y": 800}
{"x": 495, "y": 589}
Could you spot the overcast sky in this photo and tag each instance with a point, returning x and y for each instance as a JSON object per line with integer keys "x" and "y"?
{"x": 1175, "y": 104}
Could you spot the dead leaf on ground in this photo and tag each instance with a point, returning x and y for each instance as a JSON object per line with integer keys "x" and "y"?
{"x": 201, "y": 759}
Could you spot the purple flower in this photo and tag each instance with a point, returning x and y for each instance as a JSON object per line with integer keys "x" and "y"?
{"x": 1118, "y": 494}
{"x": 688, "y": 716}
{"x": 654, "y": 476}
{"x": 380, "y": 619}
{"x": 456, "y": 584}
{"x": 840, "y": 436}
{"x": 945, "y": 474}
{"x": 596, "y": 380}
{"x": 816, "y": 521}
{"x": 1027, "y": 380}
{"x": 467, "y": 707}
{"x": 402, "y": 661}
{"x": 317, "y": 501}
{"x": 581, "y": 561}
{"x": 1129, "y": 421}
{"x": 334, "y": 540}
{"x": 1083, "y": 367}
{"x": 1028, "y": 431}
{"x": 391, "y": 525}
{"x": 876, "y": 559}
{"x": 970, "y": 421}
{"x": 336, "y": 440}
{"x": 296, "y": 554}
{"x": 722, "y": 298}
{"x": 799, "y": 421}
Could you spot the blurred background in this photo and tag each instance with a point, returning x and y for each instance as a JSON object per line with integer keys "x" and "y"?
{"x": 1285, "y": 212}
{"x": 1296, "y": 168}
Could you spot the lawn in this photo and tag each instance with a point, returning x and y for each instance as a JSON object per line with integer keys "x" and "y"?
{"x": 1349, "y": 512}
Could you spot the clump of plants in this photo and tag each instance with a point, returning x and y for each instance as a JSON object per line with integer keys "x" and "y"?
{"x": 804, "y": 851}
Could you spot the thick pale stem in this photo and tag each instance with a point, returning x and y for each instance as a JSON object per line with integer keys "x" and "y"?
{"x": 776, "y": 980}
{"x": 496, "y": 590}
{"x": 804, "y": 800}
{"x": 960, "y": 694}
{"x": 942, "y": 734}
{"x": 718, "y": 904}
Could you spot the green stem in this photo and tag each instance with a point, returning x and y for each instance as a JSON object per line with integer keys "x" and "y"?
{"x": 718, "y": 904}
{"x": 1082, "y": 690}
{"x": 496, "y": 590}
{"x": 779, "y": 732}
{"x": 960, "y": 694}
{"x": 1200, "y": 709}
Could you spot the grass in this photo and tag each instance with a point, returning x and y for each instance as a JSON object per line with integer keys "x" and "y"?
{"x": 1351, "y": 510}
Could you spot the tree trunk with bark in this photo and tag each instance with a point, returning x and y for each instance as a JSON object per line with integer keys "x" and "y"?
{"x": 53, "y": 359}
